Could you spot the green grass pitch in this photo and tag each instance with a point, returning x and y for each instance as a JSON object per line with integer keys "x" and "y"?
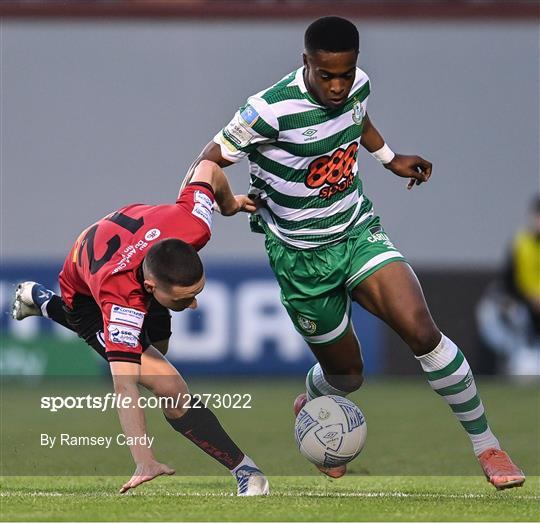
{"x": 417, "y": 464}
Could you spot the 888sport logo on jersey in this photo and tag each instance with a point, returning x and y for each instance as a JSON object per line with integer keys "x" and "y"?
{"x": 333, "y": 173}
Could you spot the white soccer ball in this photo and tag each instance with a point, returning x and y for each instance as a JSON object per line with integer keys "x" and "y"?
{"x": 330, "y": 431}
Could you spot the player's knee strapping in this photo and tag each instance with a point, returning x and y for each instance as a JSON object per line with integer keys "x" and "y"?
{"x": 317, "y": 384}
{"x": 450, "y": 375}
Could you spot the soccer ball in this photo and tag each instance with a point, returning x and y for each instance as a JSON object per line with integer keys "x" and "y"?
{"x": 330, "y": 431}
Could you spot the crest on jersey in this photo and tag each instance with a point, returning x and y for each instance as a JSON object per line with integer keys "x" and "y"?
{"x": 358, "y": 112}
{"x": 307, "y": 325}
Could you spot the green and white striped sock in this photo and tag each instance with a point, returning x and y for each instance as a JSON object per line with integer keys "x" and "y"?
{"x": 317, "y": 385}
{"x": 450, "y": 375}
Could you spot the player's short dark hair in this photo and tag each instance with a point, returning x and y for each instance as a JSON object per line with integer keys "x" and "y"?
{"x": 331, "y": 33}
{"x": 174, "y": 262}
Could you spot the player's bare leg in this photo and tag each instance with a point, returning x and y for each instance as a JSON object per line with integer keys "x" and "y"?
{"x": 394, "y": 294}
{"x": 199, "y": 424}
{"x": 162, "y": 379}
{"x": 339, "y": 371}
{"x": 341, "y": 362}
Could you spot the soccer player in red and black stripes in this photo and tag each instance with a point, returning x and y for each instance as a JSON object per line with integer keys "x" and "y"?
{"x": 120, "y": 278}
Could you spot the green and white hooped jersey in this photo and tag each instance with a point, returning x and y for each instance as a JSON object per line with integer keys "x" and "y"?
{"x": 302, "y": 159}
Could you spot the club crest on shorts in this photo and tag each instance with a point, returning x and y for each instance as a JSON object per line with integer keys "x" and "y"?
{"x": 307, "y": 325}
{"x": 358, "y": 113}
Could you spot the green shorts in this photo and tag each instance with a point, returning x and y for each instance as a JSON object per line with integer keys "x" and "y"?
{"x": 316, "y": 284}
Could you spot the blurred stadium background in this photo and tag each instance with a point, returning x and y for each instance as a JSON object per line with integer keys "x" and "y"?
{"x": 107, "y": 102}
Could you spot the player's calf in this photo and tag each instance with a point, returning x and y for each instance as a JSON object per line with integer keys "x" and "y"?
{"x": 450, "y": 376}
{"x": 318, "y": 383}
{"x": 340, "y": 367}
{"x": 203, "y": 429}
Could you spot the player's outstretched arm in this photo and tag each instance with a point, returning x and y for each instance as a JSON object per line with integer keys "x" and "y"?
{"x": 413, "y": 167}
{"x": 211, "y": 152}
{"x": 125, "y": 377}
{"x": 229, "y": 204}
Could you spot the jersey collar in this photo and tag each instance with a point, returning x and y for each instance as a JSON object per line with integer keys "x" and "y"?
{"x": 299, "y": 78}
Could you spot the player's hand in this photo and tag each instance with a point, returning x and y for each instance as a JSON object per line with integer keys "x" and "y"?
{"x": 240, "y": 203}
{"x": 413, "y": 167}
{"x": 246, "y": 204}
{"x": 146, "y": 472}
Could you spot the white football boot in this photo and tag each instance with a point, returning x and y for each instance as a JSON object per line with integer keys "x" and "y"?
{"x": 251, "y": 482}
{"x": 29, "y": 297}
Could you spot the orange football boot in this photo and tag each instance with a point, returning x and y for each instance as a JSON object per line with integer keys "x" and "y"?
{"x": 499, "y": 469}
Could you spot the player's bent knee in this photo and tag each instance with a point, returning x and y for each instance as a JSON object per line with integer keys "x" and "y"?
{"x": 423, "y": 335}
{"x": 174, "y": 398}
{"x": 175, "y": 412}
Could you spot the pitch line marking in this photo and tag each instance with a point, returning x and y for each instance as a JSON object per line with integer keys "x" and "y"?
{"x": 276, "y": 493}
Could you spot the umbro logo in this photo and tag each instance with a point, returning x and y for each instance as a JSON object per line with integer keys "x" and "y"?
{"x": 309, "y": 133}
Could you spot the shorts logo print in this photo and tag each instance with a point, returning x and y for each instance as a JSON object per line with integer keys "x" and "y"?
{"x": 378, "y": 235}
{"x": 307, "y": 325}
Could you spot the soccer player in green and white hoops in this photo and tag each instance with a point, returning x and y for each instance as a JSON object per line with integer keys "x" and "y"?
{"x": 325, "y": 244}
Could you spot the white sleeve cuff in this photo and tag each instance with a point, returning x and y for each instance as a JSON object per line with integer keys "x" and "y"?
{"x": 227, "y": 150}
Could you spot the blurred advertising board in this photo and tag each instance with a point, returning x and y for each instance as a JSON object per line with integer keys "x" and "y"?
{"x": 240, "y": 327}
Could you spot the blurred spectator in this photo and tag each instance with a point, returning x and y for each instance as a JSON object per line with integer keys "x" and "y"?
{"x": 508, "y": 314}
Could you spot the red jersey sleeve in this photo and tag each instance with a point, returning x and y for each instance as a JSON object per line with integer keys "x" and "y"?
{"x": 197, "y": 200}
{"x": 122, "y": 327}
